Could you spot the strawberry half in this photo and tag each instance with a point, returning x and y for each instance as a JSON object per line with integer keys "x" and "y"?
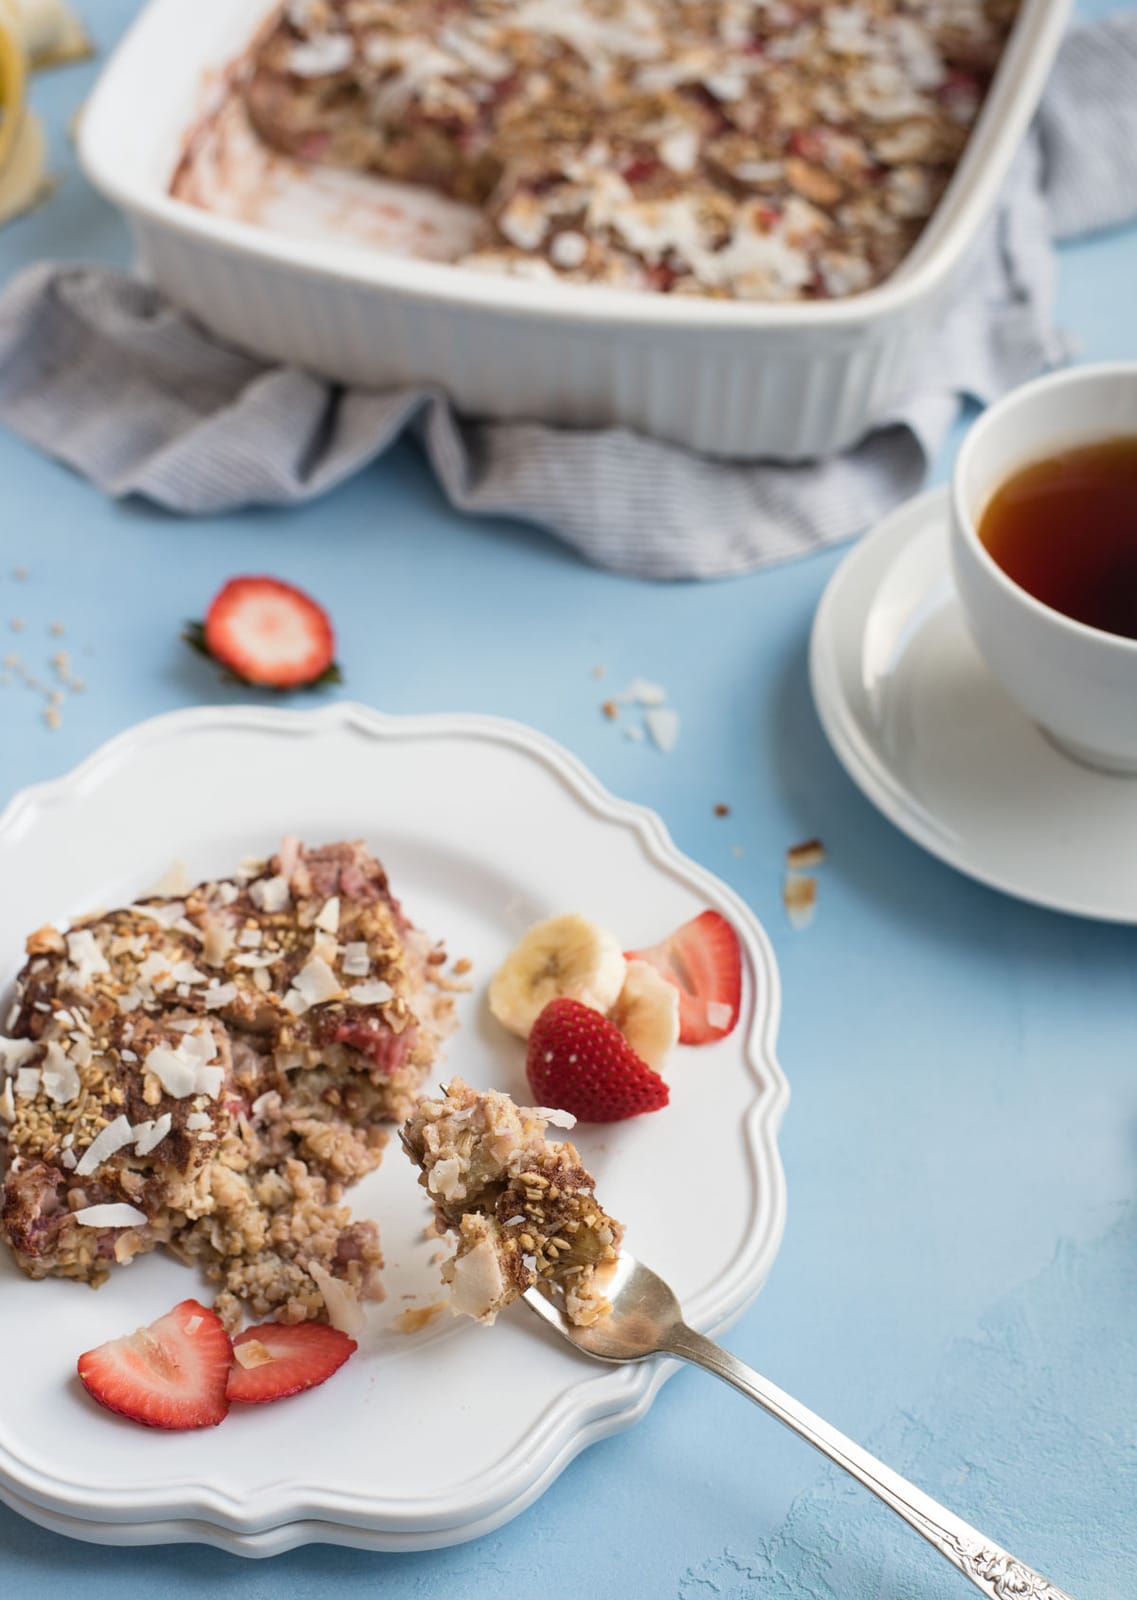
{"x": 169, "y": 1375}
{"x": 276, "y": 1359}
{"x": 581, "y": 1062}
{"x": 703, "y": 960}
{"x": 268, "y": 634}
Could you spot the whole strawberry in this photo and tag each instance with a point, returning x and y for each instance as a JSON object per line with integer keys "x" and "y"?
{"x": 581, "y": 1062}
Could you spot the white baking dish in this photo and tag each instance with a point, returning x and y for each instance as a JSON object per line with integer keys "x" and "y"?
{"x": 729, "y": 378}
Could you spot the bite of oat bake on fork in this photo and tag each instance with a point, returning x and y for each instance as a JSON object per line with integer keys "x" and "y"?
{"x": 522, "y": 1207}
{"x": 209, "y": 1070}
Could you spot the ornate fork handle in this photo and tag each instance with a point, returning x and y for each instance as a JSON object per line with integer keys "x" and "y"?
{"x": 999, "y": 1575}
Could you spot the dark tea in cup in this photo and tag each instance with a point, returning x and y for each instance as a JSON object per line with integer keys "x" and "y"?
{"x": 1065, "y": 529}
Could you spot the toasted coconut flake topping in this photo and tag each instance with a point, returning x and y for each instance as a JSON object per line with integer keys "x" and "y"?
{"x": 175, "y": 880}
{"x": 27, "y": 1083}
{"x": 105, "y": 1144}
{"x": 315, "y": 984}
{"x": 271, "y": 894}
{"x": 376, "y": 993}
{"x": 149, "y": 1135}
{"x": 14, "y": 1052}
{"x": 356, "y": 961}
{"x": 164, "y": 915}
{"x": 60, "y": 1076}
{"x": 118, "y": 1215}
{"x": 329, "y": 918}
{"x": 86, "y": 957}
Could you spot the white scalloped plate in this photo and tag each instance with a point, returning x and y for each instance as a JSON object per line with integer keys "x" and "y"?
{"x": 426, "y": 1439}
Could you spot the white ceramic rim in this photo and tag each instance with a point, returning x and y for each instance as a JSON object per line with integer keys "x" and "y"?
{"x": 585, "y": 1411}
{"x": 994, "y": 417}
{"x": 1010, "y": 104}
{"x": 869, "y": 772}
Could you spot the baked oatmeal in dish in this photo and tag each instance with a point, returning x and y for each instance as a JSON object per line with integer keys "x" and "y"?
{"x": 209, "y": 1070}
{"x": 758, "y": 149}
{"x": 523, "y": 1208}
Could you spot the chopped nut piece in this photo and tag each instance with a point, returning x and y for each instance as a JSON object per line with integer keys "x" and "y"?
{"x": 811, "y": 853}
{"x": 799, "y": 895}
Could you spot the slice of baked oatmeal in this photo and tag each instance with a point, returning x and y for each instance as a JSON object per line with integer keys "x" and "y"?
{"x": 523, "y": 1208}
{"x": 208, "y": 1071}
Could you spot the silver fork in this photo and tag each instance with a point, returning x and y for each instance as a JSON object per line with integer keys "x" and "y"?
{"x": 646, "y": 1320}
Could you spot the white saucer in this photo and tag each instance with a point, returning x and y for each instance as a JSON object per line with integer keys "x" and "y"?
{"x": 931, "y": 739}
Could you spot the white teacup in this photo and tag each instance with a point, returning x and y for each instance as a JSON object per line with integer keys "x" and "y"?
{"x": 1078, "y": 683}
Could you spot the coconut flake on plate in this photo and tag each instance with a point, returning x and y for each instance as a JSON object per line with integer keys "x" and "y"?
{"x": 106, "y": 1143}
{"x": 221, "y": 994}
{"x": 116, "y": 1215}
{"x": 340, "y": 1302}
{"x": 197, "y": 1120}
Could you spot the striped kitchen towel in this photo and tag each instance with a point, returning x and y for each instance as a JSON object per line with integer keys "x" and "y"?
{"x": 97, "y": 369}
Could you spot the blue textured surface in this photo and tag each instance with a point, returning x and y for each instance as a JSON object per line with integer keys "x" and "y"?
{"x": 956, "y": 1286}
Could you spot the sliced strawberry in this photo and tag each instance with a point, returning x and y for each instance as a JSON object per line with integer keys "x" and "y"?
{"x": 169, "y": 1375}
{"x": 703, "y": 960}
{"x": 276, "y": 1359}
{"x": 269, "y": 634}
{"x": 581, "y": 1062}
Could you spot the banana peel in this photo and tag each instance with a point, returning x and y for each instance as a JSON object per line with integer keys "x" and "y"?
{"x": 50, "y": 32}
{"x": 34, "y": 34}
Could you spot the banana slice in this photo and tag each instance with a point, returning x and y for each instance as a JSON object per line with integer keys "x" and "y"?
{"x": 565, "y": 956}
{"x": 647, "y": 1013}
